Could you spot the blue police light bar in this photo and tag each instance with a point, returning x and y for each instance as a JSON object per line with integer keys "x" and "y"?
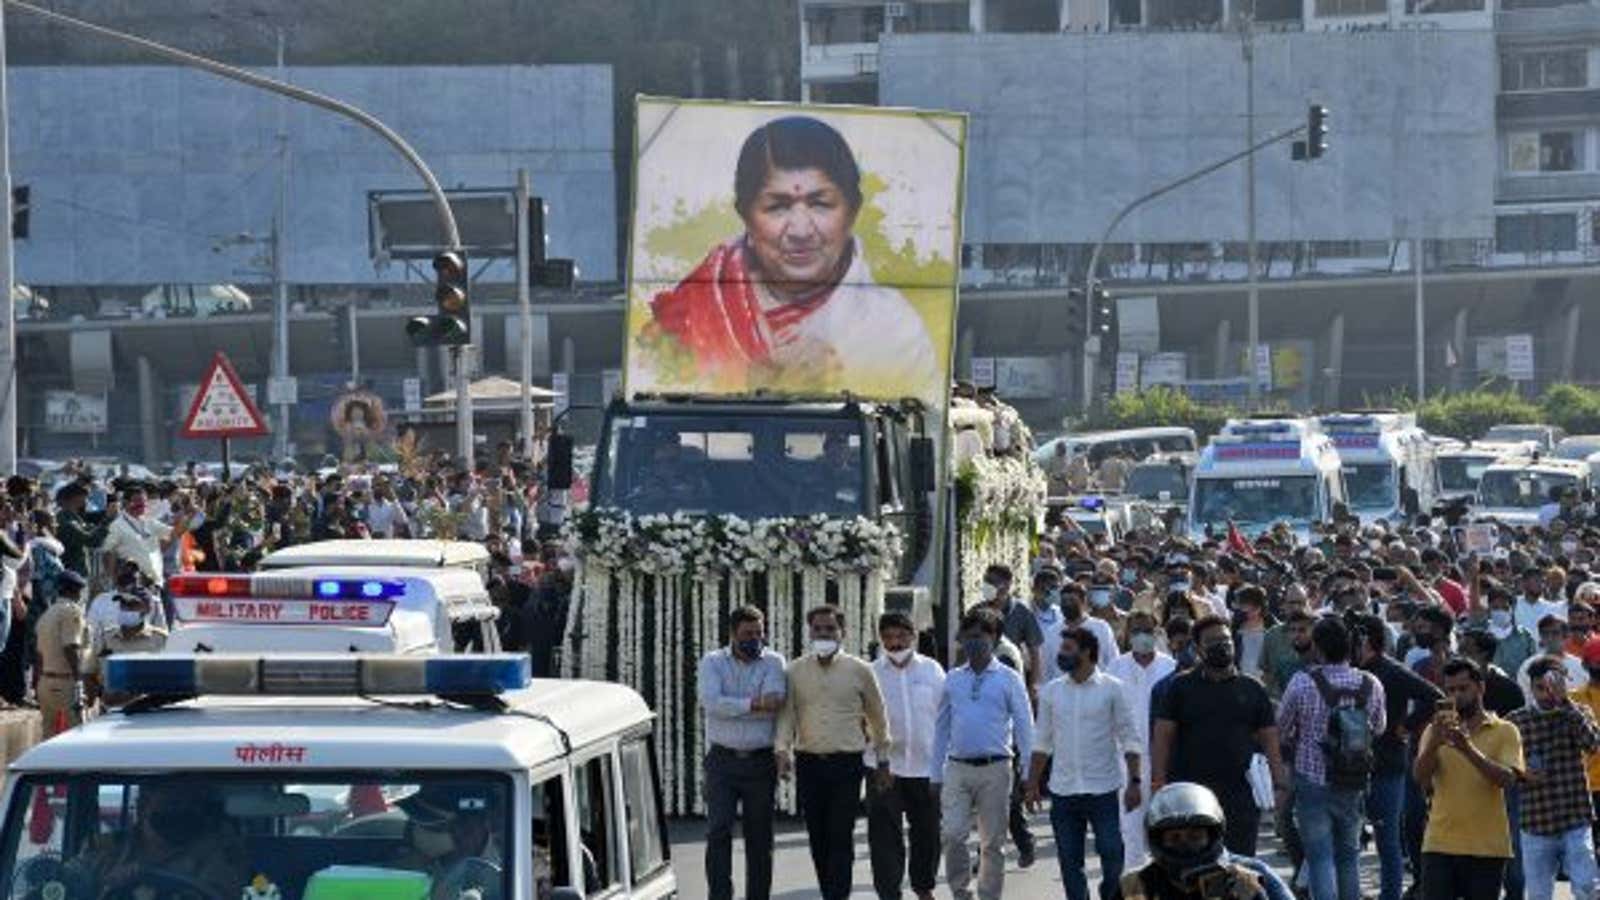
{"x": 162, "y": 675}
{"x": 358, "y": 588}
{"x": 1092, "y": 503}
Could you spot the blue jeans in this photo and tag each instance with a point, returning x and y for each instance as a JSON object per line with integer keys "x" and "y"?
{"x": 1068, "y": 817}
{"x": 1385, "y": 805}
{"x": 1543, "y": 855}
{"x": 1514, "y": 881}
{"x": 1329, "y": 820}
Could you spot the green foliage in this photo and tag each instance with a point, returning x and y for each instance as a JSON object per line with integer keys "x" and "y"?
{"x": 1575, "y": 408}
{"x": 1468, "y": 415}
{"x": 1159, "y": 406}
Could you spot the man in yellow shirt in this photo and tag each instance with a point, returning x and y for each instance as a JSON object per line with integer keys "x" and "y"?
{"x": 1589, "y": 695}
{"x": 1467, "y": 760}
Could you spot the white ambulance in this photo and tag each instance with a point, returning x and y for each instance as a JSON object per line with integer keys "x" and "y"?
{"x": 1258, "y": 472}
{"x": 342, "y": 777}
{"x": 1390, "y": 465}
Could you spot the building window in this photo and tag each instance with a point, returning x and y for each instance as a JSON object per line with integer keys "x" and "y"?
{"x": 1333, "y": 9}
{"x": 1536, "y": 232}
{"x": 932, "y": 18}
{"x": 1538, "y": 4}
{"x": 843, "y": 24}
{"x": 1544, "y": 151}
{"x": 1545, "y": 71}
{"x": 1350, "y": 249}
{"x": 1126, "y": 12}
{"x": 1429, "y": 7}
{"x": 1178, "y": 13}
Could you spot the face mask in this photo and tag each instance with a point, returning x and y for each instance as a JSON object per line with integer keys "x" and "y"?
{"x": 899, "y": 657}
{"x": 1067, "y": 661}
{"x": 988, "y": 591}
{"x": 566, "y": 564}
{"x": 1142, "y": 642}
{"x": 750, "y": 649}
{"x": 977, "y": 648}
{"x": 1500, "y": 619}
{"x": 433, "y": 844}
{"x": 1052, "y": 597}
{"x": 130, "y": 618}
{"x": 1100, "y": 599}
{"x": 824, "y": 648}
{"x": 1180, "y": 586}
{"x": 1219, "y": 656}
{"x": 1129, "y": 576}
{"x": 1185, "y": 658}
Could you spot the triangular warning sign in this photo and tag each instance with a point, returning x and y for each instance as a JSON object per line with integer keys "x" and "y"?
{"x": 221, "y": 408}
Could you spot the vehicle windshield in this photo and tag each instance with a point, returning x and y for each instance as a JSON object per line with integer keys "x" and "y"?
{"x": 1462, "y": 473}
{"x": 1149, "y": 482}
{"x": 1371, "y": 486}
{"x": 1256, "y": 501}
{"x": 1520, "y": 488}
{"x": 749, "y": 466}
{"x": 218, "y": 836}
{"x": 1577, "y": 447}
{"x": 1514, "y": 434}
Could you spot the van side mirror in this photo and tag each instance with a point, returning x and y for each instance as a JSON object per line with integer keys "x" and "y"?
{"x": 558, "y": 462}
{"x": 924, "y": 465}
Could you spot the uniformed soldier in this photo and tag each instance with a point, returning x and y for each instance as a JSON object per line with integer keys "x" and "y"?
{"x": 1184, "y": 824}
{"x": 133, "y": 633}
{"x": 61, "y": 637}
{"x": 1113, "y": 473}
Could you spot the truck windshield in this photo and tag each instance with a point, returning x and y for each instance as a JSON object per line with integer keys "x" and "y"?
{"x": 1461, "y": 473}
{"x": 1520, "y": 489}
{"x": 1150, "y": 482}
{"x": 751, "y": 466}
{"x": 1256, "y": 501}
{"x": 294, "y": 836}
{"x": 1371, "y": 486}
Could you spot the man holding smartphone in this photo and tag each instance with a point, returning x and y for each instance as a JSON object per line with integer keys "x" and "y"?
{"x": 1557, "y": 811}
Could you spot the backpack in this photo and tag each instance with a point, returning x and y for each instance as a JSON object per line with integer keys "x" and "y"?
{"x": 1348, "y": 745}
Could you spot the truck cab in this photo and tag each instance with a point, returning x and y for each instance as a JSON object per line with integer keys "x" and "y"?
{"x": 1258, "y": 472}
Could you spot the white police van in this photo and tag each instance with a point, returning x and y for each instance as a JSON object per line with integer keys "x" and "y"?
{"x": 1390, "y": 465}
{"x": 1258, "y": 472}
{"x": 1461, "y": 467}
{"x": 1514, "y": 489}
{"x": 324, "y": 777}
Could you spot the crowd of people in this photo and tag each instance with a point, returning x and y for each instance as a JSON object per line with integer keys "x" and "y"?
{"x": 1180, "y": 698}
{"x": 84, "y": 557}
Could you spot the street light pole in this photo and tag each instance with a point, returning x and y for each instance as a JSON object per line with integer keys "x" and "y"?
{"x": 8, "y": 300}
{"x": 280, "y": 283}
{"x": 525, "y": 313}
{"x": 1253, "y": 292}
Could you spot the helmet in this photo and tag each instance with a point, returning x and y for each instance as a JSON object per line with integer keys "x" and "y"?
{"x": 1185, "y": 805}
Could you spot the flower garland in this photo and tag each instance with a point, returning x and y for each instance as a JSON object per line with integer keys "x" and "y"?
{"x": 1000, "y": 503}
{"x": 655, "y": 593}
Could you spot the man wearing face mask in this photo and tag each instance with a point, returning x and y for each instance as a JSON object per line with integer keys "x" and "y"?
{"x": 1209, "y": 724}
{"x": 911, "y": 685}
{"x": 983, "y": 714}
{"x": 1047, "y": 611}
{"x": 452, "y": 835}
{"x": 1020, "y": 625}
{"x": 133, "y": 634}
{"x": 1075, "y": 614}
{"x": 1533, "y": 604}
{"x": 833, "y": 711}
{"x": 1490, "y": 607}
{"x": 1139, "y": 670}
{"x": 1552, "y": 645}
{"x": 177, "y": 829}
{"x": 741, "y": 688}
{"x": 1557, "y": 812}
{"x": 1104, "y": 596}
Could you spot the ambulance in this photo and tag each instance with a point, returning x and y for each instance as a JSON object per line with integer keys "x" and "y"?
{"x": 337, "y": 777}
{"x": 1390, "y": 465}
{"x": 1258, "y": 472}
{"x": 384, "y": 596}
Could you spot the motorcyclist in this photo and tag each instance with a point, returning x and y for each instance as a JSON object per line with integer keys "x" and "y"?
{"x": 1184, "y": 824}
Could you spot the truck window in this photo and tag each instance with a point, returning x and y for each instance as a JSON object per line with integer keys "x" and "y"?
{"x": 647, "y": 842}
{"x": 597, "y": 824}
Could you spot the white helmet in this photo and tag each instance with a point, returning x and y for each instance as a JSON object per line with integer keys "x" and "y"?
{"x": 1185, "y": 805}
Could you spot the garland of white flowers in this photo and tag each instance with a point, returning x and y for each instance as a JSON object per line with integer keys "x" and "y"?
{"x": 1001, "y": 501}
{"x": 657, "y": 591}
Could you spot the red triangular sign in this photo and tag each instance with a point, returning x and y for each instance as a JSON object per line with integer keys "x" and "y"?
{"x": 221, "y": 407}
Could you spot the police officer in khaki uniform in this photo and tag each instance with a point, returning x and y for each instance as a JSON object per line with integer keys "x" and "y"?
{"x": 133, "y": 633}
{"x": 62, "y": 636}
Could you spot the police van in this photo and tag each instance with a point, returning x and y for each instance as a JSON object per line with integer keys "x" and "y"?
{"x": 322, "y": 777}
{"x": 1258, "y": 472}
{"x": 1461, "y": 467}
{"x": 378, "y": 596}
{"x": 1514, "y": 489}
{"x": 1390, "y": 465}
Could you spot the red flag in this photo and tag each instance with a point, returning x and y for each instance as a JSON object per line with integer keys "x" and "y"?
{"x": 42, "y": 818}
{"x": 367, "y": 800}
{"x": 1236, "y": 542}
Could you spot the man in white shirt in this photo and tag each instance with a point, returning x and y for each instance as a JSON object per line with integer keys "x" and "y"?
{"x": 1084, "y": 722}
{"x": 911, "y": 685}
{"x": 1552, "y": 641}
{"x": 1074, "y": 610}
{"x": 140, "y": 538}
{"x": 1533, "y": 604}
{"x": 385, "y": 515}
{"x": 1139, "y": 669}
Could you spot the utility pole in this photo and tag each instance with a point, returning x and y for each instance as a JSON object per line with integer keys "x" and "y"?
{"x": 8, "y": 300}
{"x": 525, "y": 314}
{"x": 1253, "y": 293}
{"x": 280, "y": 283}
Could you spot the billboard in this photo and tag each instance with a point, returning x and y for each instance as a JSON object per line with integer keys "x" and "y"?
{"x": 798, "y": 250}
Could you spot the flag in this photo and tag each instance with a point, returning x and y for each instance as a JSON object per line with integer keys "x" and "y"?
{"x": 1236, "y": 542}
{"x": 1450, "y": 361}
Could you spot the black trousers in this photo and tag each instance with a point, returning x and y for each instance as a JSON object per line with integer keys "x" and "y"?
{"x": 906, "y": 806}
{"x": 828, "y": 786}
{"x": 1446, "y": 877}
{"x": 1244, "y": 817}
{"x": 739, "y": 787}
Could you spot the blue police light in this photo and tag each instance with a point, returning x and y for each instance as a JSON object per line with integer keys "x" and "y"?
{"x": 358, "y": 588}
{"x": 322, "y": 675}
{"x": 329, "y": 589}
{"x": 372, "y": 589}
{"x": 1092, "y": 503}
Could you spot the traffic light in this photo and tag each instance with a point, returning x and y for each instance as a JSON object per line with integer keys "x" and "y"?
{"x": 19, "y": 211}
{"x": 451, "y": 323}
{"x": 1316, "y": 131}
{"x": 1105, "y": 312}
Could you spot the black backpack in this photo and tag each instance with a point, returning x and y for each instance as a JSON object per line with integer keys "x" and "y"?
{"x": 1348, "y": 745}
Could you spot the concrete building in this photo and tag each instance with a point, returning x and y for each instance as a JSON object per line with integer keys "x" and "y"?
{"x": 151, "y": 199}
{"x": 1467, "y": 127}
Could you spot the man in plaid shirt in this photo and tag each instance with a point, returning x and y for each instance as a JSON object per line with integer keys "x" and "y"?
{"x": 1557, "y": 811}
{"x": 1327, "y": 810}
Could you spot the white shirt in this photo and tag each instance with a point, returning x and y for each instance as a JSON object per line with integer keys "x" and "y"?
{"x": 138, "y": 540}
{"x": 1086, "y": 728}
{"x": 102, "y": 614}
{"x": 911, "y": 701}
{"x": 383, "y": 517}
{"x": 1051, "y": 621}
{"x": 1577, "y": 676}
{"x": 1137, "y": 683}
{"x": 1528, "y": 614}
{"x": 1101, "y": 629}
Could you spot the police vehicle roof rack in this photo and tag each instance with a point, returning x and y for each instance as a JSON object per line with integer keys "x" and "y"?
{"x": 160, "y": 680}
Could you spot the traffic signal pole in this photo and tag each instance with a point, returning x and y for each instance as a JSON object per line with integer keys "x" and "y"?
{"x": 447, "y": 220}
{"x": 8, "y": 297}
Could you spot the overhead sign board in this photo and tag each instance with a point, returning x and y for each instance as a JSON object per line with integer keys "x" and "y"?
{"x": 222, "y": 408}
{"x": 70, "y": 412}
{"x": 1519, "y": 357}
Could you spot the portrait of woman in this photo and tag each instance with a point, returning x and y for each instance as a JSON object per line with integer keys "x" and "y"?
{"x": 790, "y": 303}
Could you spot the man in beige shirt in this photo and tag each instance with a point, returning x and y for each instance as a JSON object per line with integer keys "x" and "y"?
{"x": 62, "y": 635}
{"x": 834, "y": 709}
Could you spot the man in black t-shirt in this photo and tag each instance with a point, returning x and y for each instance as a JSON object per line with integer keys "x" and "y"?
{"x": 1210, "y": 722}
